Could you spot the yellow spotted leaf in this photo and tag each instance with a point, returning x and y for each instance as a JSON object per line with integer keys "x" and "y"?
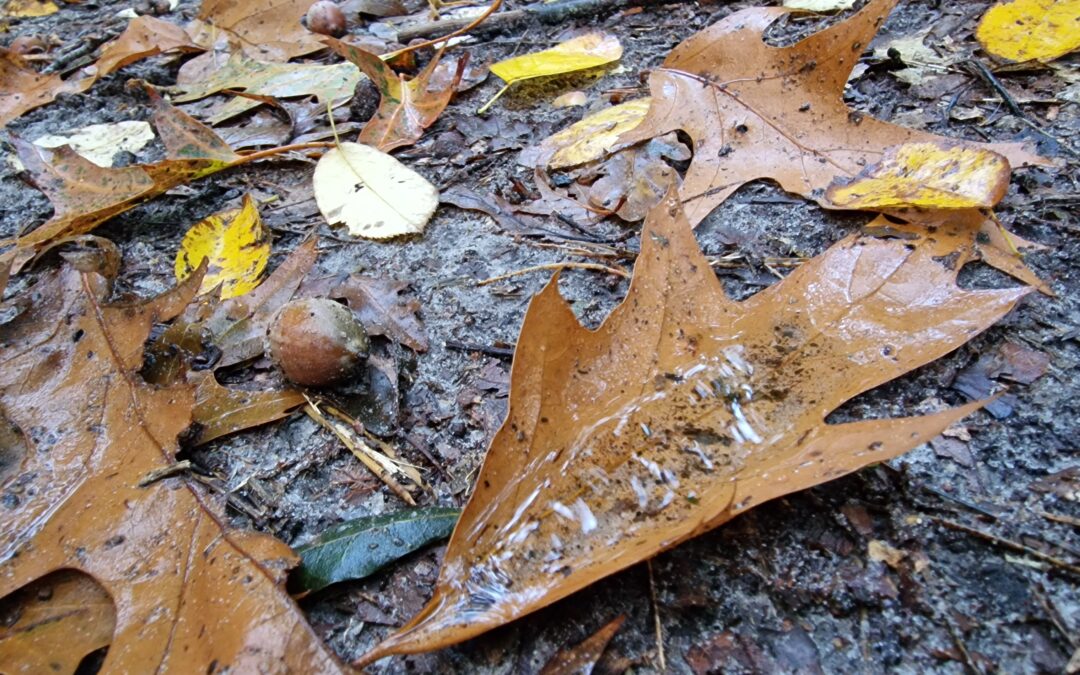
{"x": 29, "y": 8}
{"x": 939, "y": 175}
{"x": 591, "y": 138}
{"x": 237, "y": 246}
{"x": 581, "y": 53}
{"x": 1026, "y": 30}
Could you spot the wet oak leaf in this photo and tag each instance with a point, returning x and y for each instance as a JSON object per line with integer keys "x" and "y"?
{"x": 755, "y": 111}
{"x": 1026, "y": 30}
{"x": 265, "y": 30}
{"x": 236, "y": 245}
{"x": 144, "y": 36}
{"x": 191, "y": 595}
{"x": 64, "y": 608}
{"x": 377, "y": 303}
{"x": 24, "y": 88}
{"x": 685, "y": 409}
{"x": 926, "y": 175}
{"x": 406, "y": 106}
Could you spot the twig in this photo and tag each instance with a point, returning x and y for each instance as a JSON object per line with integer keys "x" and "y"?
{"x": 1008, "y": 543}
{"x": 617, "y": 271}
{"x": 657, "y": 625}
{"x": 473, "y": 24}
{"x": 164, "y": 472}
{"x": 502, "y": 352}
{"x": 1057, "y": 517}
{"x": 362, "y": 452}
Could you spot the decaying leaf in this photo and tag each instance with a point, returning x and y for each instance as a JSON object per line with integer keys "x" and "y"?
{"x": 100, "y": 142}
{"x": 931, "y": 175}
{"x": 590, "y": 139}
{"x": 85, "y": 195}
{"x": 756, "y": 111}
{"x": 25, "y": 89}
{"x": 236, "y": 245}
{"x": 220, "y": 411}
{"x": 371, "y": 193}
{"x": 633, "y": 180}
{"x": 66, "y": 608}
{"x": 359, "y": 548}
{"x": 380, "y": 308}
{"x": 145, "y": 36}
{"x": 581, "y": 53}
{"x": 29, "y": 8}
{"x": 265, "y": 30}
{"x": 329, "y": 84}
{"x": 1026, "y": 30}
{"x": 190, "y": 594}
{"x": 406, "y": 107}
{"x": 581, "y": 659}
{"x": 685, "y": 409}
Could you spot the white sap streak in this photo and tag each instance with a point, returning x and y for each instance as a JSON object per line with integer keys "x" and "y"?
{"x": 588, "y": 520}
{"x": 639, "y": 490}
{"x": 743, "y": 425}
{"x": 563, "y": 510}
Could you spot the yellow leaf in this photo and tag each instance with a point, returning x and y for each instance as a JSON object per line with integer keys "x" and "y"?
{"x": 1025, "y": 30}
{"x": 581, "y": 53}
{"x": 932, "y": 175}
{"x": 30, "y": 8}
{"x": 592, "y": 137}
{"x": 237, "y": 245}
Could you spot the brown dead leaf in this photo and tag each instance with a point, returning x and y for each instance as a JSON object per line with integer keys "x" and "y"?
{"x": 85, "y": 195}
{"x": 191, "y": 595}
{"x": 580, "y": 659}
{"x": 685, "y": 409}
{"x": 377, "y": 305}
{"x": 65, "y": 608}
{"x": 265, "y": 30}
{"x": 220, "y": 410}
{"x": 23, "y": 88}
{"x": 406, "y": 107}
{"x": 756, "y": 111}
{"x": 635, "y": 179}
{"x": 145, "y": 36}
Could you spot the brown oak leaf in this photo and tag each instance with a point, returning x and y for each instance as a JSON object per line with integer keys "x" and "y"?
{"x": 685, "y": 409}
{"x": 756, "y": 111}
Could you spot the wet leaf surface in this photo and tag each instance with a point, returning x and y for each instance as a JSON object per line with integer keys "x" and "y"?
{"x": 582, "y": 658}
{"x": 236, "y": 246}
{"x": 361, "y": 547}
{"x": 406, "y": 106}
{"x": 190, "y": 593}
{"x": 773, "y": 112}
{"x": 144, "y": 36}
{"x": 685, "y": 409}
{"x": 1026, "y": 30}
{"x": 26, "y": 89}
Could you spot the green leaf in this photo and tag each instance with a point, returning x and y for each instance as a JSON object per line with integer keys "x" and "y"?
{"x": 359, "y": 548}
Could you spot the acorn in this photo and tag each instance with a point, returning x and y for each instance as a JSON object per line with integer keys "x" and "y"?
{"x": 326, "y": 18}
{"x": 316, "y": 342}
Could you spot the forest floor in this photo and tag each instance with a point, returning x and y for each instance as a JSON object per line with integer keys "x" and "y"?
{"x": 799, "y": 584}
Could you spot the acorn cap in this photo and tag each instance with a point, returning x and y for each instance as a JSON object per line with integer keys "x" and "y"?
{"x": 316, "y": 342}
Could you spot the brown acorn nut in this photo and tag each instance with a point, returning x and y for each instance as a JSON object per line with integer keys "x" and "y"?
{"x": 326, "y": 18}
{"x": 316, "y": 342}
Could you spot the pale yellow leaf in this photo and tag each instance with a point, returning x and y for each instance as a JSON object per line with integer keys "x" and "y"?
{"x": 371, "y": 193}
{"x": 930, "y": 175}
{"x": 235, "y": 243}
{"x": 592, "y": 137}
{"x": 1025, "y": 30}
{"x": 100, "y": 142}
{"x": 819, "y": 5}
{"x": 29, "y": 8}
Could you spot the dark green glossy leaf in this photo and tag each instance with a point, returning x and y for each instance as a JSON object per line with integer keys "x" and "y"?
{"x": 358, "y": 548}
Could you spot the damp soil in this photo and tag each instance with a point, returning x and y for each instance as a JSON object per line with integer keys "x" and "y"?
{"x": 797, "y": 584}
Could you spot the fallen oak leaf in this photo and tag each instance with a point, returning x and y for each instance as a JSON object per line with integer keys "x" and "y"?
{"x": 376, "y": 304}
{"x": 931, "y": 175}
{"x": 144, "y": 36}
{"x": 685, "y": 409}
{"x": 756, "y": 111}
{"x": 221, "y": 410}
{"x": 581, "y": 53}
{"x": 64, "y": 608}
{"x": 265, "y": 30}
{"x": 25, "y": 89}
{"x": 406, "y": 107}
{"x": 190, "y": 594}
{"x": 635, "y": 179}
{"x": 1031, "y": 30}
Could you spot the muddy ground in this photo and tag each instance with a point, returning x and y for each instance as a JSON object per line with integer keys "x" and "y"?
{"x": 788, "y": 587}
